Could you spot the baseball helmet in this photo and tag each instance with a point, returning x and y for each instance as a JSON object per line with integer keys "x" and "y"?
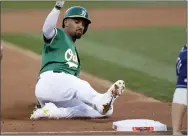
{"x": 77, "y": 12}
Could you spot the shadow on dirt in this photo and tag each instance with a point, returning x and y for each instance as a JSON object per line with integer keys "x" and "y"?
{"x": 18, "y": 111}
{"x": 22, "y": 111}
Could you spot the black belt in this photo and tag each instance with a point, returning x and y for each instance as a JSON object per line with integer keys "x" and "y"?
{"x": 57, "y": 71}
{"x": 61, "y": 72}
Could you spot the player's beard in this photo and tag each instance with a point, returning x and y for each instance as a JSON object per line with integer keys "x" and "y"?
{"x": 77, "y": 35}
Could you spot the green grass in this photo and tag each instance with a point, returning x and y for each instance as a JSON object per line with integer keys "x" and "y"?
{"x": 143, "y": 57}
{"x": 90, "y": 4}
{"x": 25, "y": 41}
{"x": 136, "y": 80}
{"x": 156, "y": 43}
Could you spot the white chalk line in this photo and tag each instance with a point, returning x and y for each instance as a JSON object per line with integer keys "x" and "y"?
{"x": 65, "y": 132}
{"x": 74, "y": 132}
{"x": 70, "y": 132}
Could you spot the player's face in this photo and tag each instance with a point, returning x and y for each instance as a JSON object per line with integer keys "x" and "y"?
{"x": 76, "y": 27}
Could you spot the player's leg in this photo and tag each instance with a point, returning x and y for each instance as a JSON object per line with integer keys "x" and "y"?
{"x": 81, "y": 110}
{"x": 179, "y": 106}
{"x": 54, "y": 87}
{"x": 100, "y": 102}
{"x": 84, "y": 110}
{"x": 60, "y": 86}
{"x": 68, "y": 109}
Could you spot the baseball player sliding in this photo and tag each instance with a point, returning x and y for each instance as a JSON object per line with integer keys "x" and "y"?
{"x": 59, "y": 90}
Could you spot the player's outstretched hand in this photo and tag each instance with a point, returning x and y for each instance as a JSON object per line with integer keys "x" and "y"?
{"x": 60, "y": 3}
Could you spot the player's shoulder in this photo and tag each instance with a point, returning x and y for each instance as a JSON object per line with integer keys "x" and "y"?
{"x": 60, "y": 30}
{"x": 183, "y": 51}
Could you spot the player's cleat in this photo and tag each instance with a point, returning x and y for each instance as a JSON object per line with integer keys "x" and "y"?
{"x": 38, "y": 105}
{"x": 107, "y": 100}
{"x": 37, "y": 114}
{"x": 48, "y": 111}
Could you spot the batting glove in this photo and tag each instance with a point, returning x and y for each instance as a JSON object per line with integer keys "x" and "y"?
{"x": 59, "y": 4}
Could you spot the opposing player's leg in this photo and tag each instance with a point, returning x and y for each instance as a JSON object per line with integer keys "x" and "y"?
{"x": 179, "y": 106}
{"x": 57, "y": 87}
{"x": 70, "y": 109}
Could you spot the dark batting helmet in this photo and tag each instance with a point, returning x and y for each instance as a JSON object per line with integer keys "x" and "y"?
{"x": 77, "y": 12}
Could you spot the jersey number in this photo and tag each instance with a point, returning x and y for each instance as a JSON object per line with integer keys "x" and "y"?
{"x": 178, "y": 65}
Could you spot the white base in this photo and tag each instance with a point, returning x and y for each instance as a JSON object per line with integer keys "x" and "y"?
{"x": 139, "y": 125}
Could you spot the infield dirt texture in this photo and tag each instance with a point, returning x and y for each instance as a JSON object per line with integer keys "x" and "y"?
{"x": 20, "y": 69}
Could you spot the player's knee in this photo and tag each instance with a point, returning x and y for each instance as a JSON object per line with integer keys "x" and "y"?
{"x": 84, "y": 85}
{"x": 180, "y": 96}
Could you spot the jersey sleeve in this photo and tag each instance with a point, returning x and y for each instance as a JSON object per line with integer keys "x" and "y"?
{"x": 183, "y": 69}
{"x": 49, "y": 27}
{"x": 50, "y": 40}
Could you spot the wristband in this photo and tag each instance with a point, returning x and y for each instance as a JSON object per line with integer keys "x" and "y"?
{"x": 57, "y": 7}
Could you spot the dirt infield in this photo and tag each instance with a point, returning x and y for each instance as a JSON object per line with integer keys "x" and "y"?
{"x": 20, "y": 69}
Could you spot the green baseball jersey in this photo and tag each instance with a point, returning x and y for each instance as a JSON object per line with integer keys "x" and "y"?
{"x": 60, "y": 55}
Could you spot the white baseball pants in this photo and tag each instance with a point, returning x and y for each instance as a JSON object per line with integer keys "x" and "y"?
{"x": 180, "y": 96}
{"x": 74, "y": 96}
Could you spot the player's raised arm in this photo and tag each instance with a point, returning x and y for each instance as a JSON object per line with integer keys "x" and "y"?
{"x": 49, "y": 27}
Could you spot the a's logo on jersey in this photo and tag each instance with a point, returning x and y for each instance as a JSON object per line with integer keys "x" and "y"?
{"x": 71, "y": 58}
